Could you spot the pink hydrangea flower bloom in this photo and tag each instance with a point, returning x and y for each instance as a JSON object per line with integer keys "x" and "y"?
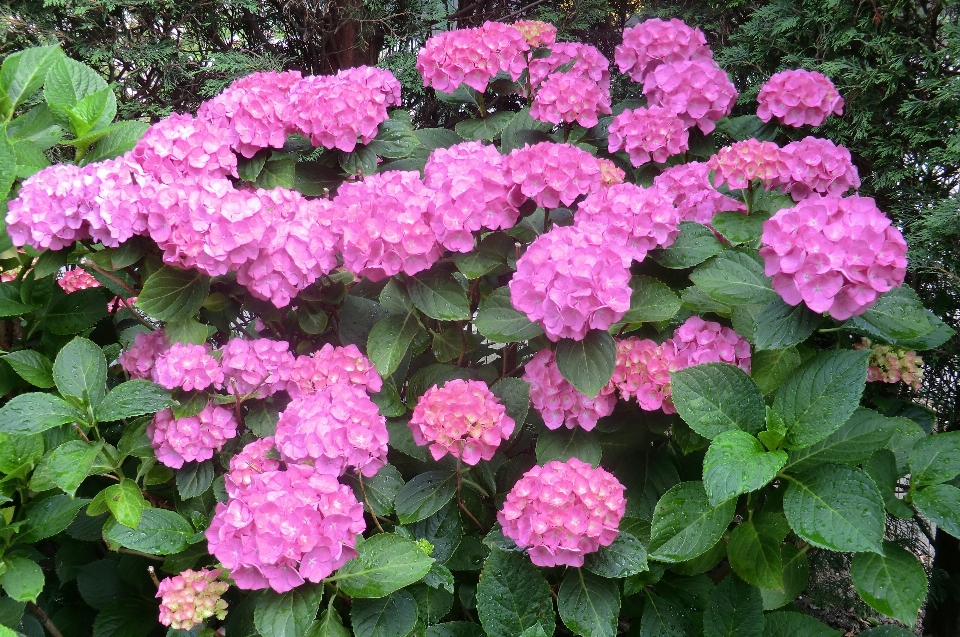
{"x": 181, "y": 146}
{"x": 386, "y": 225}
{"x": 333, "y": 365}
{"x": 558, "y": 401}
{"x": 562, "y": 511}
{"x": 191, "y": 597}
{"x": 77, "y": 279}
{"x": 648, "y": 133}
{"x": 552, "y": 174}
{"x": 187, "y": 367}
{"x": 741, "y": 162}
{"x": 462, "y": 418}
{"x": 698, "y": 341}
{"x": 470, "y": 193}
{"x": 610, "y": 174}
{"x": 571, "y": 280}
{"x": 816, "y": 165}
{"x": 588, "y": 62}
{"x": 336, "y": 428}
{"x": 256, "y": 458}
{"x": 260, "y": 367}
{"x": 643, "y": 371}
{"x": 654, "y": 42}
{"x": 118, "y": 210}
{"x": 471, "y": 56}
{"x": 688, "y": 187}
{"x": 192, "y": 439}
{"x": 798, "y": 98}
{"x": 139, "y": 358}
{"x": 51, "y": 209}
{"x": 698, "y": 91}
{"x": 892, "y": 364}
{"x": 835, "y": 254}
{"x": 631, "y": 219}
{"x": 536, "y": 33}
{"x": 570, "y": 97}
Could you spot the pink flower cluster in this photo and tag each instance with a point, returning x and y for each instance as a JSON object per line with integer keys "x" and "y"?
{"x": 470, "y": 193}
{"x": 562, "y": 511}
{"x": 336, "y": 428}
{"x": 798, "y": 98}
{"x": 551, "y": 174}
{"x": 77, "y": 279}
{"x": 892, "y": 364}
{"x": 536, "y": 33}
{"x": 558, "y": 401}
{"x": 471, "y": 56}
{"x": 741, "y": 162}
{"x": 462, "y": 418}
{"x": 181, "y": 146}
{"x": 138, "y": 358}
{"x": 835, "y": 254}
{"x": 386, "y": 225}
{"x": 816, "y": 165}
{"x": 333, "y": 365}
{"x": 282, "y": 526}
{"x": 191, "y": 597}
{"x": 648, "y": 133}
{"x": 571, "y": 280}
{"x": 643, "y": 370}
{"x": 188, "y": 367}
{"x": 588, "y": 62}
{"x": 654, "y": 42}
{"x": 698, "y": 341}
{"x": 191, "y": 439}
{"x": 631, "y": 219}
{"x": 570, "y": 97}
{"x": 697, "y": 91}
{"x": 610, "y": 173}
{"x": 688, "y": 187}
{"x": 260, "y": 367}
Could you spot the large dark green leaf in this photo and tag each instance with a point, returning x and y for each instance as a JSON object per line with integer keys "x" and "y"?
{"x": 778, "y": 325}
{"x": 589, "y": 605}
{"x": 856, "y": 440}
{"x": 133, "y": 398}
{"x": 795, "y": 575}
{"x": 48, "y": 517}
{"x": 80, "y": 371}
{"x": 754, "y": 550}
{"x": 562, "y": 444}
{"x": 685, "y": 524}
{"x": 390, "y": 339}
{"x": 625, "y": 557}
{"x": 717, "y": 397}
{"x": 439, "y": 296}
{"x": 425, "y": 495}
{"x": 385, "y": 563}
{"x": 71, "y": 462}
{"x": 513, "y": 596}
{"x": 791, "y": 624}
{"x": 21, "y": 578}
{"x": 128, "y": 617}
{"x": 499, "y": 322}
{"x": 67, "y": 84}
{"x": 160, "y": 532}
{"x": 287, "y": 614}
{"x": 485, "y": 129}
{"x": 173, "y": 295}
{"x": 664, "y": 618}
{"x": 36, "y": 412}
{"x": 73, "y": 313}
{"x": 589, "y": 363}
{"x": 695, "y": 244}
{"x": 940, "y": 504}
{"x": 650, "y": 301}
{"x": 736, "y": 463}
{"x": 121, "y": 138}
{"x": 935, "y": 459}
{"x": 734, "y": 278}
{"x": 22, "y": 75}
{"x": 894, "y": 582}
{"x": 33, "y": 367}
{"x": 735, "y": 609}
{"x": 737, "y": 227}
{"x": 898, "y": 316}
{"x": 391, "y": 616}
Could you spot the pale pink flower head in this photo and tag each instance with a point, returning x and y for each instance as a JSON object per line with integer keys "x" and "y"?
{"x": 588, "y": 62}
{"x": 472, "y": 56}
{"x": 648, "y": 133}
{"x": 77, "y": 279}
{"x": 191, "y": 439}
{"x": 571, "y": 280}
{"x": 816, "y": 165}
{"x": 336, "y": 428}
{"x": 181, "y": 146}
{"x": 697, "y": 91}
{"x": 551, "y": 173}
{"x": 654, "y": 42}
{"x": 139, "y": 358}
{"x": 333, "y": 365}
{"x": 688, "y": 187}
{"x": 188, "y": 367}
{"x": 256, "y": 458}
{"x": 558, "y": 401}
{"x": 462, "y": 418}
{"x": 631, "y": 219}
{"x": 610, "y": 173}
{"x": 260, "y": 367}
{"x": 741, "y": 162}
{"x": 536, "y": 33}
{"x": 570, "y": 97}
{"x": 191, "y": 597}
{"x": 563, "y": 511}
{"x": 891, "y": 364}
{"x": 698, "y": 341}
{"x": 643, "y": 371}
{"x": 798, "y": 98}
{"x": 386, "y": 225}
{"x": 118, "y": 210}
{"x": 470, "y": 193}
{"x": 51, "y": 209}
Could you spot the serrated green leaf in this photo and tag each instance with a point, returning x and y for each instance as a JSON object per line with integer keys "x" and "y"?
{"x": 794, "y": 576}
{"x": 589, "y": 605}
{"x": 48, "y": 517}
{"x": 493, "y": 252}
{"x": 194, "y": 478}
{"x": 562, "y": 444}
{"x": 717, "y": 397}
{"x": 66, "y": 84}
{"x": 160, "y": 532}
{"x": 513, "y": 596}
{"x": 443, "y": 529}
{"x": 123, "y": 136}
{"x": 173, "y": 295}
{"x": 882, "y": 469}
{"x": 391, "y": 616}
{"x": 626, "y": 556}
{"x": 188, "y": 330}
{"x": 385, "y": 563}
{"x": 288, "y": 614}
{"x": 93, "y": 112}
{"x": 754, "y": 550}
{"x": 941, "y": 505}
{"x": 856, "y": 440}
{"x": 737, "y": 227}
{"x": 589, "y": 363}
{"x": 329, "y": 625}
{"x": 746, "y": 127}
{"x": 381, "y": 490}
{"x": 76, "y": 312}
{"x": 424, "y": 495}
{"x": 35, "y": 127}
{"x": 650, "y": 301}
{"x": 389, "y": 341}
{"x": 779, "y": 326}
{"x": 792, "y": 624}
{"x": 695, "y": 244}
{"x": 439, "y": 296}
{"x": 898, "y": 315}
{"x": 663, "y": 618}
{"x": 685, "y": 525}
{"x": 71, "y": 462}
{"x": 737, "y": 463}
{"x": 17, "y": 450}
{"x": 21, "y": 578}
{"x": 36, "y": 412}
{"x": 278, "y": 172}
{"x": 125, "y": 502}
{"x": 129, "y": 617}
{"x": 31, "y": 366}
{"x": 735, "y": 609}
{"x": 734, "y": 278}
{"x": 80, "y": 371}
{"x": 935, "y": 459}
{"x": 498, "y": 321}
{"x": 514, "y": 395}
{"x": 10, "y": 302}
{"x": 22, "y": 74}
{"x": 486, "y": 129}
{"x": 894, "y": 582}
{"x": 133, "y": 398}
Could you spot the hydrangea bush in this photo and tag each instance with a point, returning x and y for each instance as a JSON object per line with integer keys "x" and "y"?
{"x": 294, "y": 367}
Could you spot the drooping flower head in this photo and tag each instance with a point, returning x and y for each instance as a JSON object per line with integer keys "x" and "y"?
{"x": 571, "y": 280}
{"x": 741, "y": 162}
{"x": 648, "y": 133}
{"x": 193, "y": 438}
{"x": 562, "y": 511}
{"x": 654, "y": 42}
{"x": 462, "y": 418}
{"x": 188, "y": 367}
{"x": 260, "y": 366}
{"x": 570, "y": 97}
{"x": 77, "y": 279}
{"x": 181, "y": 146}
{"x": 816, "y": 165}
{"x": 471, "y": 56}
{"x": 588, "y": 62}
{"x": 536, "y": 33}
{"x": 551, "y": 173}
{"x": 643, "y": 371}
{"x": 798, "y": 98}
{"x": 697, "y": 91}
{"x": 191, "y": 597}
{"x": 892, "y": 364}
{"x": 558, "y": 401}
{"x": 688, "y": 187}
{"x": 138, "y": 358}
{"x": 333, "y": 365}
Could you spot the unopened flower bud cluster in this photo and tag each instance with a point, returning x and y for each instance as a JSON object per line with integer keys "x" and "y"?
{"x": 891, "y": 364}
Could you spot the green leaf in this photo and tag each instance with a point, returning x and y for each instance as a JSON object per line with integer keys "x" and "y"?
{"x": 160, "y": 532}
{"x": 135, "y": 441}
{"x": 48, "y": 517}
{"x": 734, "y": 278}
{"x": 650, "y": 301}
{"x": 329, "y": 625}
{"x": 439, "y": 296}
{"x": 10, "y": 302}
{"x": 287, "y": 614}
{"x": 395, "y": 138}
{"x": 769, "y": 368}
{"x": 754, "y": 550}
{"x": 125, "y": 502}
{"x": 882, "y": 469}
{"x": 589, "y": 605}
{"x": 836, "y": 507}
{"x": 513, "y": 596}
{"x": 792, "y": 624}
{"x": 499, "y": 322}
{"x": 455, "y": 629}
{"x": 484, "y": 129}
{"x": 794, "y": 577}
{"x": 389, "y": 341}
{"x": 695, "y": 244}
{"x": 886, "y": 631}
{"x": 935, "y": 459}
{"x": 717, "y": 397}
{"x": 894, "y": 582}
{"x": 133, "y": 398}
{"x": 898, "y": 315}
{"x": 514, "y": 395}
{"x": 563, "y": 444}
{"x": 71, "y": 462}
{"x": 80, "y": 371}
{"x": 735, "y": 609}
{"x": 523, "y": 129}
{"x": 433, "y": 138}
{"x": 663, "y": 618}
{"x": 779, "y": 325}
{"x": 685, "y": 525}
{"x": 737, "y": 227}
{"x": 76, "y": 312}
{"x": 821, "y": 395}
{"x": 21, "y": 578}
{"x": 385, "y": 563}
{"x": 906, "y": 434}
{"x": 588, "y": 364}
{"x": 391, "y": 616}
{"x": 443, "y": 529}
{"x": 278, "y": 172}
{"x": 19, "y": 450}
{"x": 941, "y": 505}
{"x": 194, "y": 478}
{"x": 625, "y": 557}
{"x": 36, "y": 412}
{"x": 381, "y": 490}
{"x": 33, "y": 367}
{"x": 122, "y": 137}
{"x": 188, "y": 330}
{"x": 736, "y": 463}
{"x": 67, "y": 83}
{"x": 856, "y": 440}
{"x": 494, "y": 251}
{"x": 129, "y": 617}
{"x": 173, "y": 295}
{"x": 362, "y": 161}
{"x": 93, "y": 112}
{"x": 35, "y": 127}
{"x": 746, "y": 127}
{"x": 22, "y": 74}
{"x": 425, "y": 495}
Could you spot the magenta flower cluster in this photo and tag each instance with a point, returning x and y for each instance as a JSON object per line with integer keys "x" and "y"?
{"x": 697, "y": 91}
{"x": 193, "y": 438}
{"x": 654, "y": 42}
{"x": 798, "y": 98}
{"x": 814, "y": 165}
{"x": 643, "y": 371}
{"x": 139, "y": 357}
{"x": 688, "y": 187}
{"x": 834, "y": 254}
{"x": 740, "y": 163}
{"x": 648, "y": 133}
{"x": 698, "y": 341}
{"x": 551, "y": 174}
{"x": 333, "y": 365}
{"x": 187, "y": 367}
{"x": 259, "y": 367}
{"x": 562, "y": 511}
{"x": 77, "y": 279}
{"x": 559, "y": 403}
{"x": 190, "y": 598}
{"x": 472, "y": 56}
{"x": 588, "y": 62}
{"x": 570, "y": 97}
